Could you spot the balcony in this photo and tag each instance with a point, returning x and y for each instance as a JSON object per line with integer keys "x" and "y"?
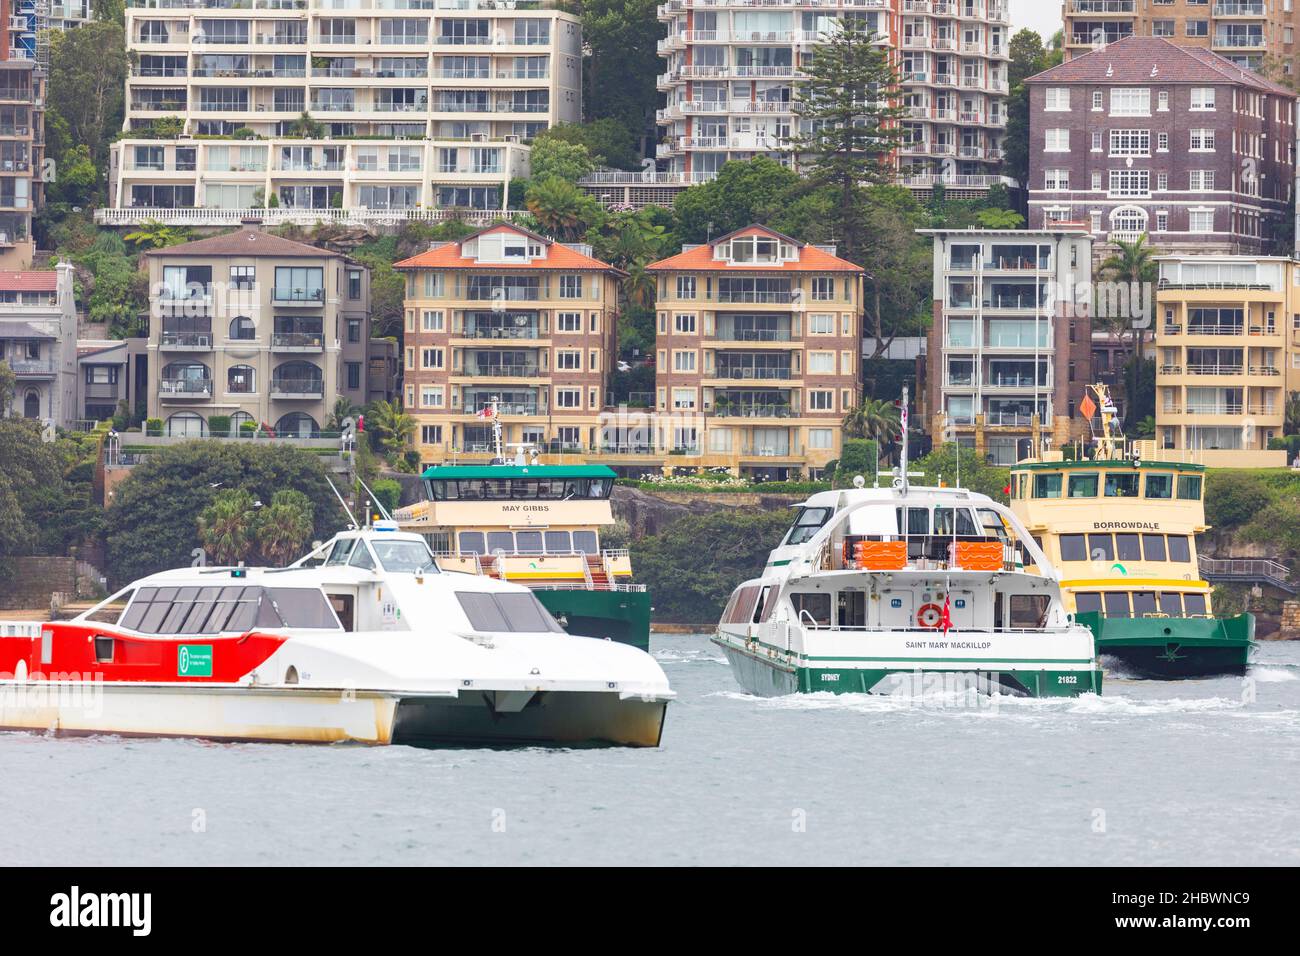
{"x": 754, "y": 296}
{"x": 185, "y": 388}
{"x": 306, "y": 297}
{"x": 1239, "y": 41}
{"x": 297, "y": 388}
{"x": 751, "y": 373}
{"x": 504, "y": 371}
{"x": 1245, "y": 8}
{"x": 1108, "y": 7}
{"x": 186, "y": 341}
{"x": 752, "y": 411}
{"x": 1215, "y": 369}
{"x": 32, "y": 368}
{"x": 297, "y": 341}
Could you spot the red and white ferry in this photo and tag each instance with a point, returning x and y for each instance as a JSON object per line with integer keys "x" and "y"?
{"x": 364, "y": 639}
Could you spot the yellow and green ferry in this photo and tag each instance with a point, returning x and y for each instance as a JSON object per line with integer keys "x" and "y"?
{"x": 1120, "y": 527}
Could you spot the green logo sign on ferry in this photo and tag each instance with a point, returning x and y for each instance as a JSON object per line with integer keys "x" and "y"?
{"x": 194, "y": 660}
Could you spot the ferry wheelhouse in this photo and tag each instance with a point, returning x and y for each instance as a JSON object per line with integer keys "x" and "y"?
{"x": 537, "y": 525}
{"x": 365, "y": 639}
{"x": 874, "y": 588}
{"x": 1120, "y": 527}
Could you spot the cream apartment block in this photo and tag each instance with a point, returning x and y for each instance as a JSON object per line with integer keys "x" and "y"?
{"x": 757, "y": 356}
{"x": 426, "y": 106}
{"x": 255, "y": 328}
{"x": 1247, "y": 32}
{"x": 1227, "y": 356}
{"x": 508, "y": 319}
{"x": 733, "y": 66}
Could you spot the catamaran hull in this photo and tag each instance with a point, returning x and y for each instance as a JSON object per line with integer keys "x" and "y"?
{"x": 480, "y": 718}
{"x": 622, "y": 616}
{"x": 1174, "y": 648}
{"x": 767, "y": 675}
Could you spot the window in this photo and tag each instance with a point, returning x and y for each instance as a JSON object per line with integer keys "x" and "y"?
{"x": 1047, "y": 486}
{"x": 1153, "y": 547}
{"x": 1056, "y": 179}
{"x": 431, "y": 434}
{"x": 1122, "y": 484}
{"x": 1057, "y": 141}
{"x": 568, "y": 398}
{"x": 571, "y": 287}
{"x": 821, "y": 400}
{"x": 820, "y": 438}
{"x": 1058, "y": 99}
{"x": 1073, "y": 547}
{"x": 1083, "y": 486}
{"x": 807, "y": 524}
{"x": 1202, "y": 141}
{"x": 1128, "y": 547}
{"x": 1200, "y": 220}
{"x": 684, "y": 324}
{"x": 1189, "y": 487}
{"x": 1097, "y": 100}
{"x": 686, "y": 287}
{"x": 431, "y": 321}
{"x": 683, "y": 361}
{"x": 1162, "y": 28}
{"x": 243, "y": 329}
{"x": 823, "y": 288}
{"x": 1101, "y": 547}
{"x": 1130, "y": 102}
{"x": 242, "y": 277}
{"x": 1130, "y": 182}
{"x": 684, "y": 398}
{"x": 1086, "y": 602}
{"x": 1198, "y": 28}
{"x": 1130, "y": 142}
{"x": 1179, "y": 549}
{"x": 506, "y": 612}
{"x": 1202, "y": 96}
{"x": 1116, "y": 603}
{"x": 569, "y": 322}
{"x": 1162, "y": 142}
{"x": 430, "y": 396}
{"x": 568, "y": 360}
{"x": 1194, "y": 605}
{"x": 821, "y": 323}
{"x": 821, "y": 363}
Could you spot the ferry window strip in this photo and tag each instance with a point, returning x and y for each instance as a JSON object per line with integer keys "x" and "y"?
{"x": 1143, "y": 603}
{"x": 218, "y": 609}
{"x": 1128, "y": 547}
{"x": 516, "y": 489}
{"x": 516, "y": 613}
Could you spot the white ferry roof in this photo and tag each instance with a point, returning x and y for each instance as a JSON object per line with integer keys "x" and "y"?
{"x": 916, "y": 495}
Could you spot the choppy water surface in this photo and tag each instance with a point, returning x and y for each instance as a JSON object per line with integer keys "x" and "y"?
{"x": 1192, "y": 772}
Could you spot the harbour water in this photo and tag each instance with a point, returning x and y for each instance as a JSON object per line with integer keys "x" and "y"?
{"x": 1177, "y": 773}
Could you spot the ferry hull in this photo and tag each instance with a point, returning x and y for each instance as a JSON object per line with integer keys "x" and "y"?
{"x": 1174, "y": 648}
{"x": 622, "y": 616}
{"x": 241, "y": 714}
{"x": 766, "y": 675}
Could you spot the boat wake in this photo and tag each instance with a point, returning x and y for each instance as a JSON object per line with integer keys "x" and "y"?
{"x": 1273, "y": 673}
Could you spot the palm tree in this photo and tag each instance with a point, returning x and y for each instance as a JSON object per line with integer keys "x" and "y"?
{"x": 875, "y": 418}
{"x": 639, "y": 286}
{"x": 390, "y": 426}
{"x": 152, "y": 234}
{"x": 284, "y": 528}
{"x": 561, "y": 208}
{"x": 1134, "y": 266}
{"x": 225, "y": 526}
{"x": 343, "y": 409}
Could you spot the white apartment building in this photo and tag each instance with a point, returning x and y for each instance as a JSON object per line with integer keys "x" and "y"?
{"x": 733, "y": 66}
{"x": 424, "y": 106}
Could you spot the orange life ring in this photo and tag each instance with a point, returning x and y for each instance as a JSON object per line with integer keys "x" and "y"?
{"x": 930, "y": 615}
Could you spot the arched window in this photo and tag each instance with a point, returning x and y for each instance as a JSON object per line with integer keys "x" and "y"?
{"x": 241, "y": 379}
{"x": 187, "y": 424}
{"x": 297, "y": 425}
{"x": 190, "y": 378}
{"x": 1128, "y": 222}
{"x": 237, "y": 420}
{"x": 301, "y": 378}
{"x": 32, "y": 404}
{"x": 242, "y": 329}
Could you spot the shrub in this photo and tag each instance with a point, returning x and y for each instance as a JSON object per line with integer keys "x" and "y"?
{"x": 153, "y": 426}
{"x": 1233, "y": 499}
{"x": 246, "y": 429}
{"x": 219, "y": 425}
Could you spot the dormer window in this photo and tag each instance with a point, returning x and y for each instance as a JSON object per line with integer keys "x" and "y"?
{"x": 757, "y": 250}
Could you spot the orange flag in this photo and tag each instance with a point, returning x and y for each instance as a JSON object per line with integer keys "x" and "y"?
{"x": 1087, "y": 407}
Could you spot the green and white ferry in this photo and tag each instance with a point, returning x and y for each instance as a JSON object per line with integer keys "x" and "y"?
{"x": 904, "y": 589}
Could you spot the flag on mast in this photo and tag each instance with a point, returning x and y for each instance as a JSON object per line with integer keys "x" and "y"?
{"x": 1087, "y": 407}
{"x": 945, "y": 619}
{"x": 485, "y": 412}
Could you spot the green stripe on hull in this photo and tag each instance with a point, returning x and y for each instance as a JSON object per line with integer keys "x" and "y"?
{"x": 767, "y": 677}
{"x": 1174, "y": 648}
{"x": 622, "y": 616}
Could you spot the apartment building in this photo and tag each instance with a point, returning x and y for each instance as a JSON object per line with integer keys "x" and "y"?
{"x": 22, "y": 150}
{"x": 757, "y": 356}
{"x": 423, "y": 105}
{"x": 25, "y": 26}
{"x": 38, "y": 341}
{"x": 1010, "y": 347}
{"x": 1246, "y": 32}
{"x": 1147, "y": 136}
{"x": 508, "y": 318}
{"x": 251, "y": 327}
{"x": 733, "y": 66}
{"x": 1227, "y": 352}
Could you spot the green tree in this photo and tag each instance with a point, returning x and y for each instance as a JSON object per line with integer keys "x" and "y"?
{"x": 8, "y": 382}
{"x": 622, "y": 39}
{"x": 553, "y": 157}
{"x": 342, "y": 410}
{"x": 226, "y": 526}
{"x": 859, "y": 456}
{"x": 31, "y": 468}
{"x": 690, "y": 583}
{"x": 976, "y": 474}
{"x": 608, "y": 141}
{"x": 85, "y": 94}
{"x": 999, "y": 219}
{"x": 1029, "y": 57}
{"x": 874, "y": 418}
{"x": 283, "y": 529}
{"x": 389, "y": 428}
{"x": 152, "y": 234}
{"x": 1133, "y": 265}
{"x": 1233, "y": 498}
{"x": 742, "y": 194}
{"x": 898, "y": 289}
{"x": 1291, "y": 412}
{"x": 850, "y": 105}
{"x": 306, "y": 127}
{"x": 562, "y": 209}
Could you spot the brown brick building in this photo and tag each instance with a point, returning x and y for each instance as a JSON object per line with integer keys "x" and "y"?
{"x": 1146, "y": 136}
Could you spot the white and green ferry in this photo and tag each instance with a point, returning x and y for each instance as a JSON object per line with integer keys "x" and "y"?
{"x": 903, "y": 589}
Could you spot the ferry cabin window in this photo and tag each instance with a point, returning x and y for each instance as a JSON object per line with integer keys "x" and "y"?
{"x": 918, "y": 521}
{"x": 1189, "y": 487}
{"x": 111, "y": 613}
{"x": 807, "y": 523}
{"x": 528, "y": 542}
{"x": 1144, "y": 603}
{"x": 341, "y": 552}
{"x": 521, "y": 613}
{"x": 516, "y": 489}
{"x": 761, "y": 609}
{"x": 301, "y": 607}
{"x": 994, "y": 526}
{"x": 943, "y": 522}
{"x": 1027, "y": 610}
{"x": 852, "y": 609}
{"x": 1194, "y": 604}
{"x": 361, "y": 558}
{"x": 404, "y": 556}
{"x": 193, "y": 610}
{"x": 585, "y": 541}
{"x": 1047, "y": 486}
{"x": 1086, "y": 601}
{"x": 1179, "y": 548}
{"x": 500, "y": 541}
{"x": 1073, "y": 548}
{"x": 1160, "y": 486}
{"x": 1153, "y": 547}
{"x": 1083, "y": 485}
{"x": 742, "y": 605}
{"x": 471, "y": 542}
{"x": 1122, "y": 484}
{"x": 1100, "y": 547}
{"x": 557, "y": 542}
{"x": 1127, "y": 547}
{"x": 1171, "y": 604}
{"x": 812, "y": 608}
{"x": 1116, "y": 603}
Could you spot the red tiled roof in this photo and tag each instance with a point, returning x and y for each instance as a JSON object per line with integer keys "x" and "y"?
{"x": 700, "y": 259}
{"x": 558, "y": 256}
{"x": 42, "y": 281}
{"x": 246, "y": 242}
{"x": 1132, "y": 59}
